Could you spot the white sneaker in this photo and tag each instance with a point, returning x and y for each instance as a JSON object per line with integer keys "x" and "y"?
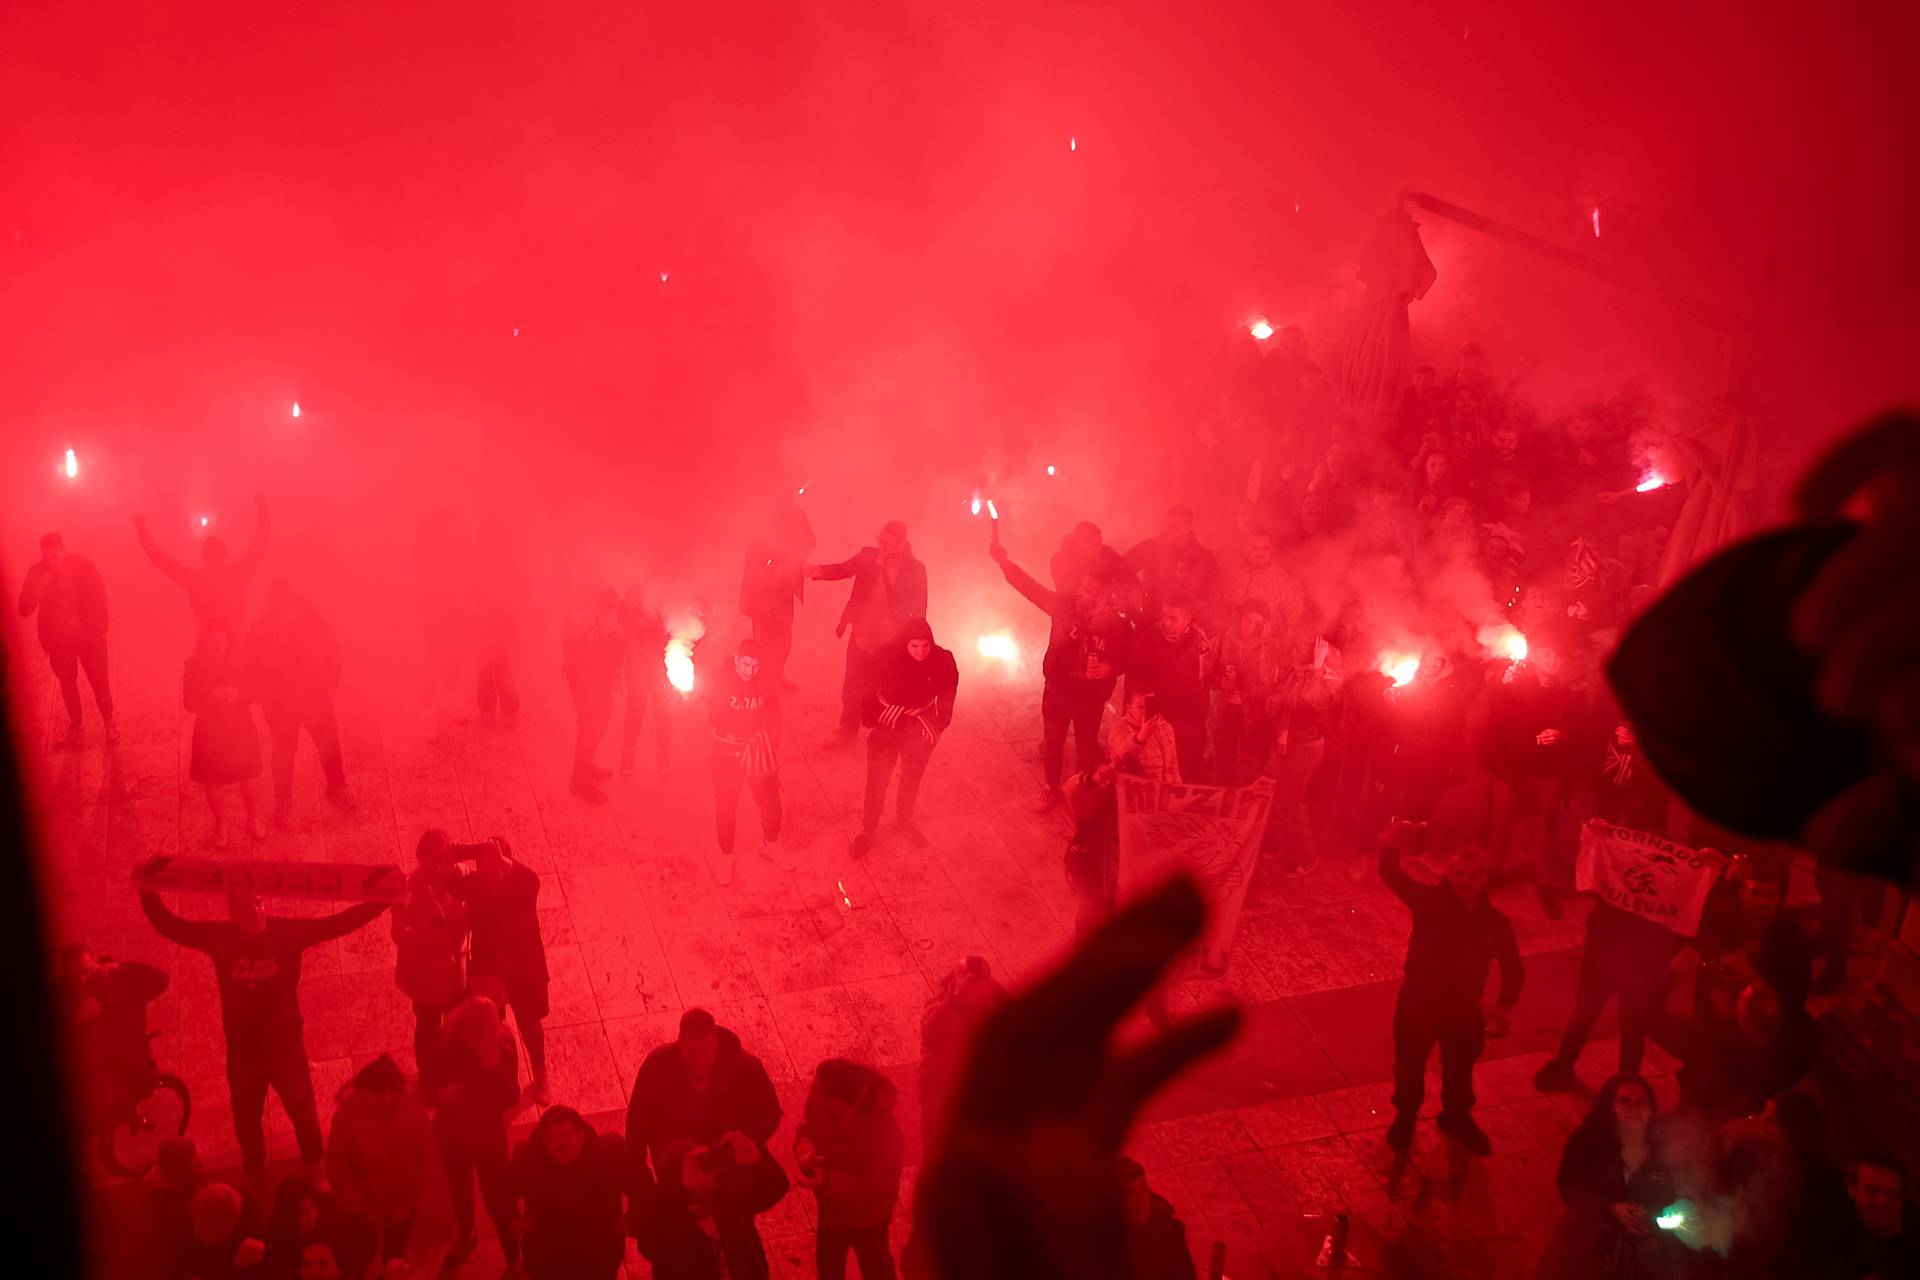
{"x": 723, "y": 868}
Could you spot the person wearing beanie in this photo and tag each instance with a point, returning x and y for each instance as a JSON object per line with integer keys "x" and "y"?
{"x": 906, "y": 714}
{"x": 743, "y": 706}
{"x": 889, "y": 589}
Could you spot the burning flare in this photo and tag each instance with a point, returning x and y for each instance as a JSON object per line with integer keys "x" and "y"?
{"x": 974, "y": 506}
{"x": 72, "y": 465}
{"x": 1653, "y": 481}
{"x": 1001, "y": 647}
{"x": 1259, "y": 328}
{"x": 1400, "y": 668}
{"x": 296, "y": 408}
{"x": 682, "y": 634}
{"x": 1504, "y": 641}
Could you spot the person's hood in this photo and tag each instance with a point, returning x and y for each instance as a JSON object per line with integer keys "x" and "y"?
{"x": 553, "y": 1118}
{"x": 916, "y": 629}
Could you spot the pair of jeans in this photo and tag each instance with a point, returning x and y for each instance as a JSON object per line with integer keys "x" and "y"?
{"x": 1076, "y": 705}
{"x": 861, "y": 680}
{"x": 67, "y": 660}
{"x": 464, "y": 1161}
{"x": 729, "y": 776}
{"x": 1295, "y": 765}
{"x": 1419, "y": 1023}
{"x": 593, "y": 712}
{"x": 285, "y": 720}
{"x": 251, "y": 1070}
{"x": 885, "y": 748}
{"x": 494, "y": 686}
{"x": 869, "y": 1246}
{"x": 1639, "y": 980}
{"x": 646, "y": 686}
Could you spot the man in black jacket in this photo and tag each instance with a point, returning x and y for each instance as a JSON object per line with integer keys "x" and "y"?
{"x": 703, "y": 1111}
{"x": 508, "y": 961}
{"x": 1457, "y": 934}
{"x": 1174, "y": 564}
{"x": 907, "y": 714}
{"x": 889, "y": 587}
{"x": 1086, "y": 653}
{"x": 1171, "y": 658}
{"x": 256, "y": 962}
{"x": 72, "y": 602}
{"x": 1156, "y": 1240}
{"x": 292, "y": 665}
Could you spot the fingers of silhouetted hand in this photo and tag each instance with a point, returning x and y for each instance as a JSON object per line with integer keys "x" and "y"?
{"x": 1134, "y": 1076}
{"x": 1053, "y": 1038}
{"x": 1115, "y": 967}
{"x": 1888, "y": 445}
{"x": 1862, "y": 824}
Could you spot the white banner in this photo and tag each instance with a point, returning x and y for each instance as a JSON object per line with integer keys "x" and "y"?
{"x": 1212, "y": 834}
{"x": 315, "y": 881}
{"x": 1653, "y": 878}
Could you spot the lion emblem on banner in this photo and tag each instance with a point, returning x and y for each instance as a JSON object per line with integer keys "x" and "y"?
{"x": 1205, "y": 847}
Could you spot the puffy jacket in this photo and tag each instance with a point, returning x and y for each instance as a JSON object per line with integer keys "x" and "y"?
{"x": 378, "y": 1154}
{"x": 863, "y": 1158}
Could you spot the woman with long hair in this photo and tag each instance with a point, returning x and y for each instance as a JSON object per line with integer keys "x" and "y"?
{"x": 1615, "y": 1181}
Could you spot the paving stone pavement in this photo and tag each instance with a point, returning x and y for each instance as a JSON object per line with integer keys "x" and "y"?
{"x": 834, "y": 957}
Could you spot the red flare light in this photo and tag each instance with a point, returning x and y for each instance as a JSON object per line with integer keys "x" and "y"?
{"x": 1504, "y": 641}
{"x": 71, "y": 467}
{"x": 1260, "y": 328}
{"x": 1400, "y": 668}
{"x": 1654, "y": 480}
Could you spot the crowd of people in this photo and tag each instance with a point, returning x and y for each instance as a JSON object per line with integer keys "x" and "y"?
{"x": 1355, "y": 650}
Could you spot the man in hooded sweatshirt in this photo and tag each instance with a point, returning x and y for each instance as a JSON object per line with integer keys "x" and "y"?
{"x": 906, "y": 714}
{"x": 256, "y": 962}
{"x": 703, "y": 1110}
{"x": 889, "y": 589}
{"x": 850, "y": 1151}
{"x": 380, "y": 1154}
{"x": 569, "y": 1185}
{"x": 1087, "y": 651}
